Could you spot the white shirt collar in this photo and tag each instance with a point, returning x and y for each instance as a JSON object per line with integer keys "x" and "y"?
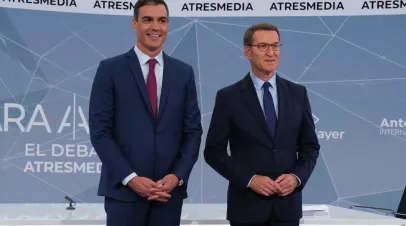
{"x": 258, "y": 83}
{"x": 143, "y": 58}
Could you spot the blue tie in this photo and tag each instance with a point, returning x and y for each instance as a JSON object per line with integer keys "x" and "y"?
{"x": 269, "y": 108}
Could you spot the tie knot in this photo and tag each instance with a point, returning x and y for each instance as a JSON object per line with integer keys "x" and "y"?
{"x": 152, "y": 62}
{"x": 266, "y": 85}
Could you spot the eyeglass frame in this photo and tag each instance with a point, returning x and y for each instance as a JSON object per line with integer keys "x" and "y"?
{"x": 275, "y": 49}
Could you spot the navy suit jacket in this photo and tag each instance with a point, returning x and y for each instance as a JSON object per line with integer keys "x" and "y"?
{"x": 127, "y": 137}
{"x": 239, "y": 121}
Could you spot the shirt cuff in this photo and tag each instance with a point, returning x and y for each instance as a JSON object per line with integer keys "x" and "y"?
{"x": 300, "y": 182}
{"x": 250, "y": 181}
{"x": 128, "y": 178}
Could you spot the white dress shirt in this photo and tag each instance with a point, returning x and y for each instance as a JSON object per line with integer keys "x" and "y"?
{"x": 159, "y": 69}
{"x": 258, "y": 83}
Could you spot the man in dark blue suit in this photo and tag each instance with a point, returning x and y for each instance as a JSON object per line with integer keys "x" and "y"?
{"x": 267, "y": 122}
{"x": 145, "y": 125}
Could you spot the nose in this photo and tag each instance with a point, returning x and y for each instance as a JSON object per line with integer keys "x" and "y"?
{"x": 155, "y": 25}
{"x": 270, "y": 52}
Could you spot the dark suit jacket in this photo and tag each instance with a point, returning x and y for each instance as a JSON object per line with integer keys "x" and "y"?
{"x": 239, "y": 120}
{"x": 126, "y": 136}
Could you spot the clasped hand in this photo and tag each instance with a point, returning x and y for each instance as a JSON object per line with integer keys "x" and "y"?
{"x": 158, "y": 191}
{"x": 282, "y": 186}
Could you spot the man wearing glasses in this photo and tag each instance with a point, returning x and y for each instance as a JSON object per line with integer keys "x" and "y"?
{"x": 267, "y": 122}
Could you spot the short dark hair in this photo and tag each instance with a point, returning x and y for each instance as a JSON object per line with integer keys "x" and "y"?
{"x": 249, "y": 34}
{"x": 141, "y": 3}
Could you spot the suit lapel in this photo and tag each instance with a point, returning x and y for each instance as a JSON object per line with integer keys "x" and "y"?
{"x": 135, "y": 67}
{"x": 165, "y": 84}
{"x": 250, "y": 98}
{"x": 283, "y": 97}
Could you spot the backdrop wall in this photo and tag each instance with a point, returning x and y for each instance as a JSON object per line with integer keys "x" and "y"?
{"x": 353, "y": 66}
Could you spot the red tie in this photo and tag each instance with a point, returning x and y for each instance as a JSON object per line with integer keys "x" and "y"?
{"x": 151, "y": 86}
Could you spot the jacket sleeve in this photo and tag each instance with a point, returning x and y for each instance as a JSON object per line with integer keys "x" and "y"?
{"x": 307, "y": 143}
{"x": 192, "y": 133}
{"x": 101, "y": 117}
{"x": 215, "y": 152}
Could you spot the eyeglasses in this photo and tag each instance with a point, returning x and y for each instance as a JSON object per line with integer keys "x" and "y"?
{"x": 263, "y": 47}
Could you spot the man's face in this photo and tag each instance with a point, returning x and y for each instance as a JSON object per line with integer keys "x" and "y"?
{"x": 264, "y": 60}
{"x": 151, "y": 27}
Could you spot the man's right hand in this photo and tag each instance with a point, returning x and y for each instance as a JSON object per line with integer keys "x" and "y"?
{"x": 264, "y": 185}
{"x": 148, "y": 188}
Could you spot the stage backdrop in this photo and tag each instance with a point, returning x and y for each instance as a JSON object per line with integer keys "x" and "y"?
{"x": 349, "y": 54}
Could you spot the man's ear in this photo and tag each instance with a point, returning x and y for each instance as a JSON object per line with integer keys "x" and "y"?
{"x": 134, "y": 24}
{"x": 247, "y": 52}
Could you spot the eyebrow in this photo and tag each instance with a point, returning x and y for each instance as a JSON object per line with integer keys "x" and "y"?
{"x": 268, "y": 43}
{"x": 150, "y": 17}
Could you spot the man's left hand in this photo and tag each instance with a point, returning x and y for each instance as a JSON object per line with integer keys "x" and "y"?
{"x": 168, "y": 183}
{"x": 288, "y": 183}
